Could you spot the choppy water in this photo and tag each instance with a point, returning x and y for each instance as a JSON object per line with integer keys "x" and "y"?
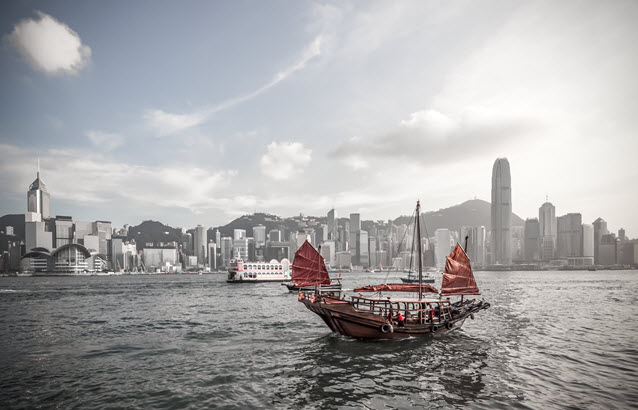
{"x": 550, "y": 340}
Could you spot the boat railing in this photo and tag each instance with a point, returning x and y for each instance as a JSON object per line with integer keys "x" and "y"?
{"x": 416, "y": 312}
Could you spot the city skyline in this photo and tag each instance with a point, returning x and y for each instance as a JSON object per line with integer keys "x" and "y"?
{"x": 359, "y": 107}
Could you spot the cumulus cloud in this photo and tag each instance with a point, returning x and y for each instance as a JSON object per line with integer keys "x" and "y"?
{"x": 105, "y": 140}
{"x": 165, "y": 123}
{"x": 283, "y": 160}
{"x": 49, "y": 45}
{"x": 432, "y": 137}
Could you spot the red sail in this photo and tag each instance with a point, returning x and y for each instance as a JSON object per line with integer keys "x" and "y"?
{"x": 308, "y": 267}
{"x": 458, "y": 278}
{"x": 398, "y": 287}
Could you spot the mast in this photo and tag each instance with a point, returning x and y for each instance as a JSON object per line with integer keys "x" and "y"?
{"x": 418, "y": 233}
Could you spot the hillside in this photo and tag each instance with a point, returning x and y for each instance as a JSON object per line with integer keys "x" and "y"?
{"x": 247, "y": 222}
{"x": 475, "y": 212}
{"x": 153, "y": 231}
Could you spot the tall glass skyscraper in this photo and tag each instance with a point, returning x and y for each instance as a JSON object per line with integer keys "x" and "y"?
{"x": 38, "y": 198}
{"x": 501, "y": 212}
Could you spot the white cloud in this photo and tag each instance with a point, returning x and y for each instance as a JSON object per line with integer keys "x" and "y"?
{"x": 430, "y": 137}
{"x": 283, "y": 160}
{"x": 50, "y": 45}
{"x": 166, "y": 123}
{"x": 105, "y": 140}
{"x": 87, "y": 178}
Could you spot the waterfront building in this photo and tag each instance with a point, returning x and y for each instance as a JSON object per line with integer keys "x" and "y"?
{"x": 274, "y": 235}
{"x": 187, "y": 243}
{"x": 240, "y": 249}
{"x": 116, "y": 256}
{"x": 259, "y": 233}
{"x": 608, "y": 250}
{"x": 588, "y": 241}
{"x": 81, "y": 230}
{"x": 226, "y": 250}
{"x": 355, "y": 223}
{"x": 501, "y": 212}
{"x": 532, "y": 240}
{"x": 332, "y": 224}
{"x": 442, "y": 247}
{"x": 548, "y": 230}
{"x": 363, "y": 254}
{"x": 372, "y": 251}
{"x": 569, "y": 235}
{"x": 280, "y": 250}
{"x": 38, "y": 198}
{"x": 212, "y": 255}
{"x": 63, "y": 231}
{"x": 328, "y": 252}
{"x": 344, "y": 259}
{"x": 158, "y": 257}
{"x": 37, "y": 260}
{"x": 629, "y": 252}
{"x": 300, "y": 238}
{"x": 600, "y": 229}
{"x": 92, "y": 243}
{"x": 199, "y": 245}
{"x": 36, "y": 236}
{"x": 72, "y": 258}
{"x": 475, "y": 248}
{"x": 621, "y": 235}
{"x": 239, "y": 234}
{"x": 104, "y": 232}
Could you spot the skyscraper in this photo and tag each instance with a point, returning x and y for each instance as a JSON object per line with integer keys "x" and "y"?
{"x": 332, "y": 225}
{"x": 38, "y": 198}
{"x": 600, "y": 229}
{"x": 569, "y": 235}
{"x": 501, "y": 212}
{"x": 199, "y": 245}
{"x": 548, "y": 230}
{"x": 532, "y": 240}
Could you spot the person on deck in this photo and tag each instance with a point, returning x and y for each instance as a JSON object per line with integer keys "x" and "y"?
{"x": 400, "y": 319}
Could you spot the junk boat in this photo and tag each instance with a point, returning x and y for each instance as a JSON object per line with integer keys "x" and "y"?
{"x": 254, "y": 272}
{"x": 392, "y": 317}
{"x": 309, "y": 271}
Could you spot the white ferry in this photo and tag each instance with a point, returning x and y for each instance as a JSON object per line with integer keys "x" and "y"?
{"x": 253, "y": 272}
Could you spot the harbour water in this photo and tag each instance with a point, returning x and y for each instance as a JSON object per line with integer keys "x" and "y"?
{"x": 550, "y": 340}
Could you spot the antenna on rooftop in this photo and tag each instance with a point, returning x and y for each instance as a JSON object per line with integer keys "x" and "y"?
{"x": 38, "y": 167}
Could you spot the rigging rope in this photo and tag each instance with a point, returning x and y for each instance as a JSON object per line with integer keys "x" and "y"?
{"x": 399, "y": 248}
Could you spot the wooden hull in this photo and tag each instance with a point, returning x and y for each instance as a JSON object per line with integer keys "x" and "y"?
{"x": 341, "y": 317}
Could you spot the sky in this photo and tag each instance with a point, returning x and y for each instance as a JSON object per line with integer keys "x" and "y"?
{"x": 199, "y": 112}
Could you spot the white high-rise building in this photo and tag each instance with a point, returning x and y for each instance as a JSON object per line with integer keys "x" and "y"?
{"x": 200, "y": 245}
{"x": 588, "y": 240}
{"x": 475, "y": 244}
{"x": 442, "y": 247}
{"x": 332, "y": 225}
{"x": 548, "y": 230}
{"x": 501, "y": 212}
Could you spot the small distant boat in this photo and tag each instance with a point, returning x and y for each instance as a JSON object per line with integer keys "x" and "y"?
{"x": 414, "y": 278}
{"x": 309, "y": 271}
